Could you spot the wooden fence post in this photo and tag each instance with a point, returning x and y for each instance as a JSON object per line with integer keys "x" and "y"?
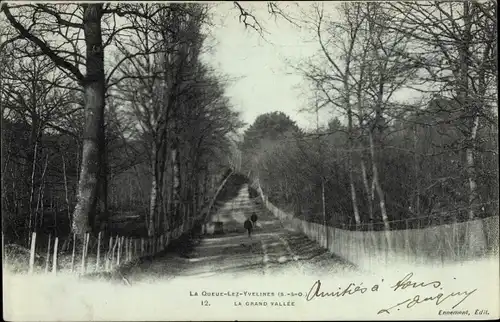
{"x": 73, "y": 253}
{"x": 84, "y": 254}
{"x": 54, "y": 258}
{"x": 47, "y": 259}
{"x": 407, "y": 242}
{"x": 98, "y": 257}
{"x": 115, "y": 250}
{"x": 131, "y": 248}
{"x": 127, "y": 242}
{"x": 135, "y": 248}
{"x": 127, "y": 249}
{"x": 132, "y": 244}
{"x": 87, "y": 252}
{"x": 124, "y": 245}
{"x": 32, "y": 253}
{"x": 108, "y": 253}
{"x": 3, "y": 248}
{"x": 118, "y": 251}
{"x": 115, "y": 246}
{"x": 120, "y": 248}
{"x": 123, "y": 249}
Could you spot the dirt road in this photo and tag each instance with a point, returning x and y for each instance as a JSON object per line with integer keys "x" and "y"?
{"x": 272, "y": 249}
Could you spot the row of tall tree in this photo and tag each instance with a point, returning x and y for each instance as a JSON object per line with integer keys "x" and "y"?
{"x": 109, "y": 108}
{"x": 389, "y": 157}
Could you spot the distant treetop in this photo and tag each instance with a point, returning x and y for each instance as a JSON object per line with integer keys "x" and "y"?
{"x": 269, "y": 126}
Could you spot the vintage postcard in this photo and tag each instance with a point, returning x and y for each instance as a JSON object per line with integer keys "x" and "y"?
{"x": 258, "y": 161}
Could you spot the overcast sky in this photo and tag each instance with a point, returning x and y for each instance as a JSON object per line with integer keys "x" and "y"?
{"x": 265, "y": 82}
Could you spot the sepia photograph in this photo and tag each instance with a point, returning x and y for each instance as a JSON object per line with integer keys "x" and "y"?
{"x": 249, "y": 160}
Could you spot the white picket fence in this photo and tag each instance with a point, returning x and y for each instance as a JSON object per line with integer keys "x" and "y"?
{"x": 436, "y": 245}
{"x": 102, "y": 255}
{"x": 106, "y": 255}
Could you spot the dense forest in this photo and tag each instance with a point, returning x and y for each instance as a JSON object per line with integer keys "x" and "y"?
{"x": 388, "y": 162}
{"x": 109, "y": 112}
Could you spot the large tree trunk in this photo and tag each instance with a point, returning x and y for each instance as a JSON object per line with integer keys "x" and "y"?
{"x": 32, "y": 192}
{"x": 471, "y": 168}
{"x": 160, "y": 216}
{"x": 205, "y": 186}
{"x": 94, "y": 92}
{"x": 475, "y": 234}
{"x": 176, "y": 181}
{"x": 153, "y": 197}
{"x": 323, "y": 208}
{"x": 376, "y": 183}
{"x": 165, "y": 193}
{"x": 364, "y": 159}
{"x": 103, "y": 214}
{"x": 184, "y": 168}
{"x": 465, "y": 101}
{"x": 351, "y": 174}
{"x": 191, "y": 188}
{"x": 156, "y": 202}
{"x": 33, "y": 157}
{"x": 369, "y": 195}
{"x": 203, "y": 190}
{"x": 416, "y": 170}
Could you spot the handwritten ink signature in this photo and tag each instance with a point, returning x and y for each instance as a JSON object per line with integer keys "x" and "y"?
{"x": 351, "y": 289}
{"x": 401, "y": 285}
{"x": 407, "y": 282}
{"x": 439, "y": 298}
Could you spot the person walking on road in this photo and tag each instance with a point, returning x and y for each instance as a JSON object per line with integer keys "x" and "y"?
{"x": 248, "y": 226}
{"x": 254, "y": 218}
